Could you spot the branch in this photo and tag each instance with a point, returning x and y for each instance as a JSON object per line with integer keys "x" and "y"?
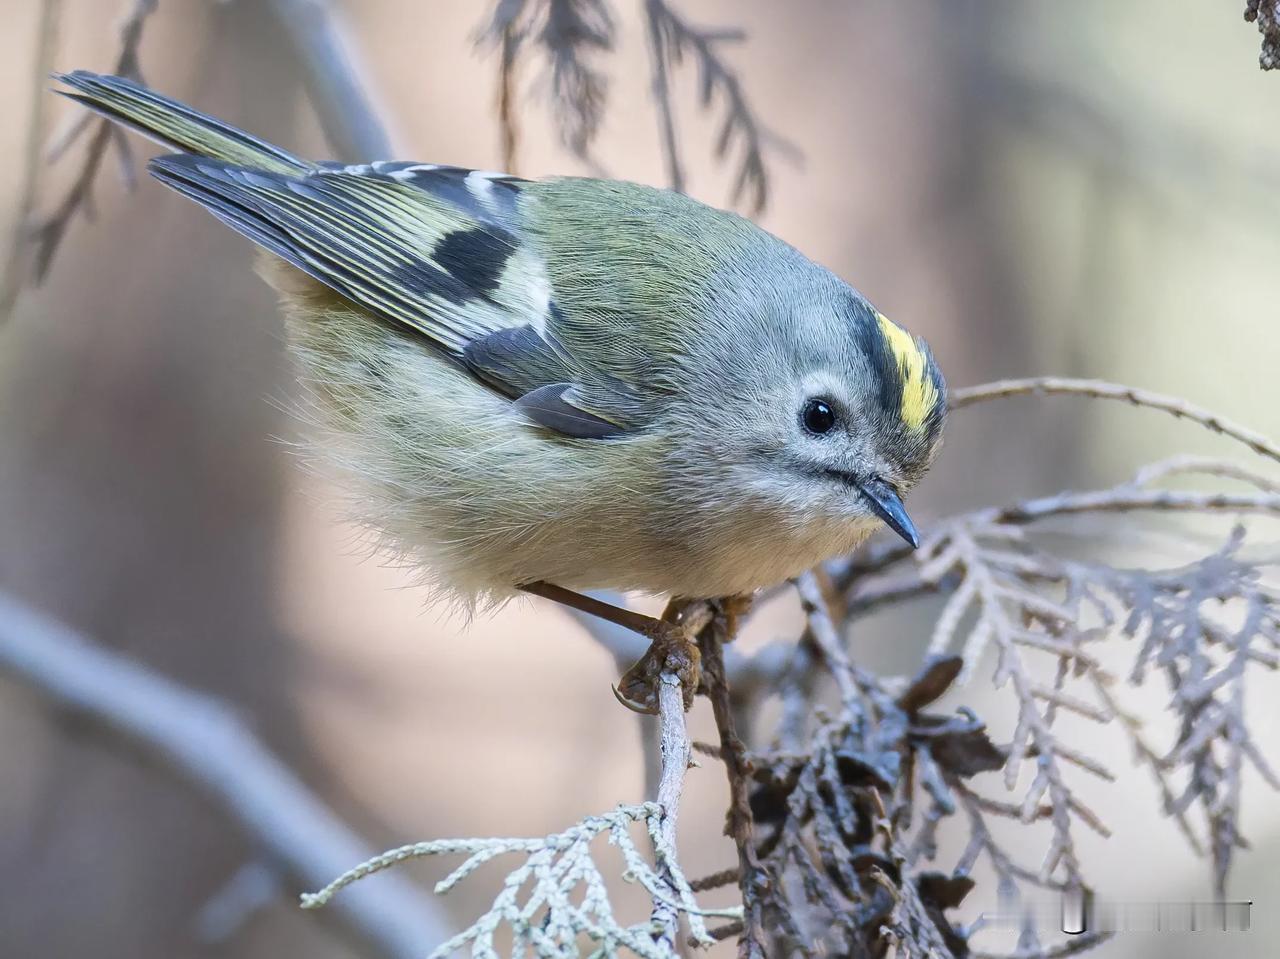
{"x": 849, "y": 575}
{"x": 741, "y": 825}
{"x": 675, "y": 750}
{"x": 334, "y": 81}
{"x": 200, "y": 739}
{"x": 557, "y": 895}
{"x": 569, "y": 35}
{"x": 1099, "y": 389}
{"x": 1123, "y": 500}
{"x": 507, "y": 123}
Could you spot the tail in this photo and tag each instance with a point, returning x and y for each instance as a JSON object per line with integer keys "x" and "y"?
{"x": 175, "y": 124}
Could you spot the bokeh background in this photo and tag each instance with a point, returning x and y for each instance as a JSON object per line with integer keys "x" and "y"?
{"x": 1083, "y": 189}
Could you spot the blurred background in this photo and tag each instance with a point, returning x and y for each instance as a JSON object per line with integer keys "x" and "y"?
{"x": 1085, "y": 189}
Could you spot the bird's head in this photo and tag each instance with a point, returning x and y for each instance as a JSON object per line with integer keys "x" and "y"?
{"x": 815, "y": 410}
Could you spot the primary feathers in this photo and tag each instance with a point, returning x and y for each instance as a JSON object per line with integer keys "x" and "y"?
{"x": 586, "y": 382}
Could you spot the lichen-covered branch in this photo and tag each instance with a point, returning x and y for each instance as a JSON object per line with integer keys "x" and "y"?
{"x": 674, "y": 752}
{"x": 557, "y": 893}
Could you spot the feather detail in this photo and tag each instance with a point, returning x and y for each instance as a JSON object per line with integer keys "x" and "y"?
{"x": 438, "y": 250}
{"x": 173, "y": 124}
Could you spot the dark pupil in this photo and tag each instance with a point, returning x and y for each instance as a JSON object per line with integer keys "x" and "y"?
{"x": 819, "y": 417}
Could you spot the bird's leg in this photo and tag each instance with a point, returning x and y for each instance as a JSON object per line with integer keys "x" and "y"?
{"x": 673, "y": 643}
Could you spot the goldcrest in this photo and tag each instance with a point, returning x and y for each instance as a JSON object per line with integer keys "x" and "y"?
{"x": 581, "y": 382}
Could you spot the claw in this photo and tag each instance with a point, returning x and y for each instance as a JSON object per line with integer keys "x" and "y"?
{"x": 632, "y": 705}
{"x": 672, "y": 651}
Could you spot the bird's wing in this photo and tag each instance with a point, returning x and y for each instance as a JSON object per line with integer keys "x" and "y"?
{"x": 437, "y": 250}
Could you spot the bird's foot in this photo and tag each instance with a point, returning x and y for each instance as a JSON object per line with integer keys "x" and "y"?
{"x": 674, "y": 650}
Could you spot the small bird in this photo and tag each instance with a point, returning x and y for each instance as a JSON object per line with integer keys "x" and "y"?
{"x": 569, "y": 383}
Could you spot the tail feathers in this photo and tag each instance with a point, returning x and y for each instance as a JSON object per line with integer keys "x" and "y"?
{"x": 175, "y": 124}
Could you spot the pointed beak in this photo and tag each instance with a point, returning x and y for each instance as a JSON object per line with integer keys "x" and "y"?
{"x": 888, "y": 506}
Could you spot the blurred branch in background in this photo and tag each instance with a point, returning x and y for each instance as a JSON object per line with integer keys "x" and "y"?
{"x": 48, "y": 231}
{"x": 568, "y": 32}
{"x": 16, "y": 268}
{"x": 200, "y": 739}
{"x": 671, "y": 39}
{"x": 336, "y": 86}
{"x": 37, "y": 238}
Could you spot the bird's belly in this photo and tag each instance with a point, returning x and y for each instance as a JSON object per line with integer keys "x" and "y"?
{"x": 753, "y": 556}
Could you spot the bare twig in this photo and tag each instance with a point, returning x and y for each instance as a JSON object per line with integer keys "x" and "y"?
{"x": 741, "y": 823}
{"x": 1127, "y": 499}
{"x": 202, "y": 740}
{"x": 822, "y": 628}
{"x": 724, "y": 877}
{"x": 1099, "y": 389}
{"x": 1118, "y": 499}
{"x": 759, "y": 671}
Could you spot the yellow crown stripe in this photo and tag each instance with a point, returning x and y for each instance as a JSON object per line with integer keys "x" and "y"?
{"x": 919, "y": 395}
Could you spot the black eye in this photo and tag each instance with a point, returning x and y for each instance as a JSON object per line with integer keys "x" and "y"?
{"x": 817, "y": 416}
